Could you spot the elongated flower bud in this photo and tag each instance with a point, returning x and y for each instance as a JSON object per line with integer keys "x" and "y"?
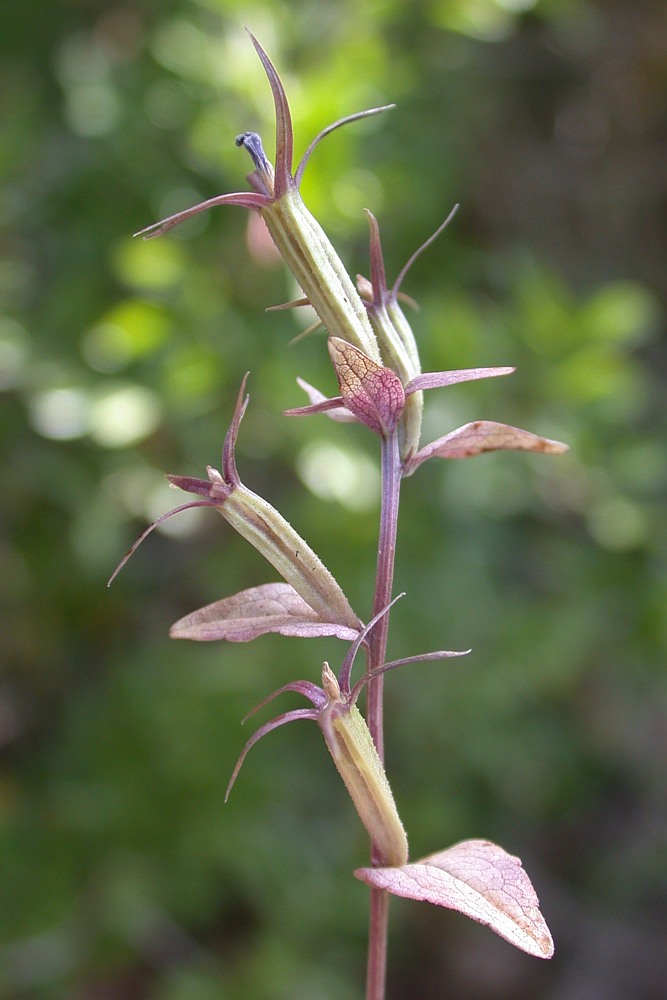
{"x": 275, "y": 538}
{"x": 310, "y": 255}
{"x": 300, "y": 239}
{"x": 312, "y": 259}
{"x": 350, "y": 743}
{"x": 396, "y": 341}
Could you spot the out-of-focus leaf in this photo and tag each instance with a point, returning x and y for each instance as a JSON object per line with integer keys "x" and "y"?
{"x": 486, "y": 435}
{"x": 482, "y": 881}
{"x": 273, "y": 607}
{"x": 434, "y": 380}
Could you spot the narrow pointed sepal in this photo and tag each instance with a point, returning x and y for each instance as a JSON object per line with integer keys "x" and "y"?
{"x": 357, "y": 116}
{"x": 294, "y": 304}
{"x": 319, "y": 403}
{"x": 331, "y": 407}
{"x": 243, "y": 199}
{"x": 420, "y": 250}
{"x": 284, "y": 131}
{"x": 268, "y": 727}
{"x": 151, "y": 527}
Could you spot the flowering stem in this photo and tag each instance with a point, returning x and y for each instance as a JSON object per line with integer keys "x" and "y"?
{"x": 384, "y": 578}
{"x": 379, "y": 903}
{"x": 377, "y": 945}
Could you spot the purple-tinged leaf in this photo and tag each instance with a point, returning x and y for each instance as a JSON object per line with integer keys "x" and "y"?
{"x": 374, "y": 394}
{"x": 273, "y": 607}
{"x": 434, "y": 380}
{"x": 485, "y": 435}
{"x": 476, "y": 878}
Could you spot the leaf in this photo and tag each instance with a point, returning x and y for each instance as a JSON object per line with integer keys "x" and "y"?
{"x": 476, "y": 878}
{"x": 486, "y": 435}
{"x": 273, "y": 607}
{"x": 372, "y": 393}
{"x": 435, "y": 380}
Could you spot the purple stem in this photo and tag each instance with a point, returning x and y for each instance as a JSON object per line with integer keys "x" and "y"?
{"x": 384, "y": 579}
{"x": 377, "y": 946}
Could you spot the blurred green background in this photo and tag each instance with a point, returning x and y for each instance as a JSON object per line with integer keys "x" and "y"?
{"x": 122, "y": 874}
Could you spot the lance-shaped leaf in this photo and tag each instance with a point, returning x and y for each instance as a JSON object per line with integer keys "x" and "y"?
{"x": 435, "y": 380}
{"x": 476, "y": 878}
{"x": 374, "y": 394}
{"x": 273, "y": 607}
{"x": 485, "y": 435}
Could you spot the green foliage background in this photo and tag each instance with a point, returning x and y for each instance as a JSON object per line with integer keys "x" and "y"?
{"x": 122, "y": 875}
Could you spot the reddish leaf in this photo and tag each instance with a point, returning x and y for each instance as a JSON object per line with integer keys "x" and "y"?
{"x": 434, "y": 380}
{"x": 485, "y": 435}
{"x": 372, "y": 393}
{"x": 479, "y": 879}
{"x": 273, "y": 607}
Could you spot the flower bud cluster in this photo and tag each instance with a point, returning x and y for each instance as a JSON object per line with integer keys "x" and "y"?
{"x": 376, "y": 362}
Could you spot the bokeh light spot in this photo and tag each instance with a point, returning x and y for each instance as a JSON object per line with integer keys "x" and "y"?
{"x": 347, "y": 476}
{"x": 617, "y": 524}
{"x": 92, "y": 110}
{"x": 124, "y": 415}
{"x": 129, "y": 331}
{"x": 61, "y": 414}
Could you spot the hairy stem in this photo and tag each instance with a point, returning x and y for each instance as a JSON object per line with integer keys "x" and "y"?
{"x": 377, "y": 946}
{"x": 379, "y": 904}
{"x": 384, "y": 579}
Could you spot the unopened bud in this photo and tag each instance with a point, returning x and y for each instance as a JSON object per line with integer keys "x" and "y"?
{"x": 351, "y": 746}
{"x": 275, "y": 538}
